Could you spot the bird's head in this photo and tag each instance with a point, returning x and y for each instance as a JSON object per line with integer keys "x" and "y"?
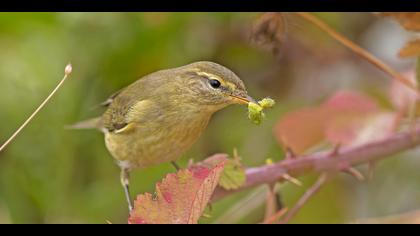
{"x": 213, "y": 85}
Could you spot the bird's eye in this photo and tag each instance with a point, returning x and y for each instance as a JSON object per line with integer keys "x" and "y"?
{"x": 214, "y": 83}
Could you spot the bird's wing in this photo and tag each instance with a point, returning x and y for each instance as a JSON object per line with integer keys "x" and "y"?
{"x": 129, "y": 106}
{"x": 137, "y": 103}
{"x": 123, "y": 116}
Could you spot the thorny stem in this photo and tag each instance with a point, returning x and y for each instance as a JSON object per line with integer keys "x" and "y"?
{"x": 357, "y": 49}
{"x": 67, "y": 72}
{"x": 321, "y": 162}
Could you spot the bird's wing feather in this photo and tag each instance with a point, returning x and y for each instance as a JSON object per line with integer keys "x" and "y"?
{"x": 130, "y": 106}
{"x": 139, "y": 102}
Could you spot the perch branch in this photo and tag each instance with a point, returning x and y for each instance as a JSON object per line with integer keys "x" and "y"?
{"x": 322, "y": 162}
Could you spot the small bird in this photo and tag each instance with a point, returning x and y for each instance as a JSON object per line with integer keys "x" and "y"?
{"x": 161, "y": 115}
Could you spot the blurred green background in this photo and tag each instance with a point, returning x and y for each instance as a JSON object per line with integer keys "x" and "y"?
{"x": 53, "y": 175}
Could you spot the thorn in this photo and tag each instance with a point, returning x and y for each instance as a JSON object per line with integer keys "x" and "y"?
{"x": 290, "y": 154}
{"x": 355, "y": 173}
{"x": 335, "y": 151}
{"x": 292, "y": 180}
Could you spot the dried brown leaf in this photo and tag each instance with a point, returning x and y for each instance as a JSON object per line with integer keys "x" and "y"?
{"x": 269, "y": 31}
{"x": 408, "y": 20}
{"x": 410, "y": 49}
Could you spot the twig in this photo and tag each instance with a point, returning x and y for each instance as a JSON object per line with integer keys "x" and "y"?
{"x": 67, "y": 72}
{"x": 357, "y": 49}
{"x": 273, "y": 202}
{"x": 322, "y": 162}
{"x": 274, "y": 218}
{"x": 308, "y": 194}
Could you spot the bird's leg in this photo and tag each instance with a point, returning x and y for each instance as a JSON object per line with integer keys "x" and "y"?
{"x": 175, "y": 165}
{"x": 125, "y": 181}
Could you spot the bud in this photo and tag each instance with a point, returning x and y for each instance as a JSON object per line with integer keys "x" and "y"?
{"x": 68, "y": 69}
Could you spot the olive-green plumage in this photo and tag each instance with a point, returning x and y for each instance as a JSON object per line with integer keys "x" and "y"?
{"x": 158, "y": 117}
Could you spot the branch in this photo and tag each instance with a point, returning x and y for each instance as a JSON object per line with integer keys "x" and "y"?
{"x": 357, "y": 49}
{"x": 323, "y": 162}
{"x": 308, "y": 194}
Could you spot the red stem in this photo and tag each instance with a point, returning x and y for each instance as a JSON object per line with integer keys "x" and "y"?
{"x": 322, "y": 162}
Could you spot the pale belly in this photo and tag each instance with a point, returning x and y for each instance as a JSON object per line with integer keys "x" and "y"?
{"x": 148, "y": 145}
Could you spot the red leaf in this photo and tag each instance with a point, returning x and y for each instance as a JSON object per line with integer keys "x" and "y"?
{"x": 351, "y": 101}
{"x": 301, "y": 129}
{"x": 360, "y": 129}
{"x": 339, "y": 120}
{"x": 182, "y": 197}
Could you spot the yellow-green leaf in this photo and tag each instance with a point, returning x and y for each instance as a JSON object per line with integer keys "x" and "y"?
{"x": 233, "y": 175}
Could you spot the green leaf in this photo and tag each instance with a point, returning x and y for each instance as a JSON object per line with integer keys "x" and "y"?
{"x": 233, "y": 175}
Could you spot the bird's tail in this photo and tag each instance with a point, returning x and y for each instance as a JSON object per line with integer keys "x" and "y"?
{"x": 94, "y": 123}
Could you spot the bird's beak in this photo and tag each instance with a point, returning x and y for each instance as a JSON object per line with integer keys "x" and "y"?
{"x": 242, "y": 98}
